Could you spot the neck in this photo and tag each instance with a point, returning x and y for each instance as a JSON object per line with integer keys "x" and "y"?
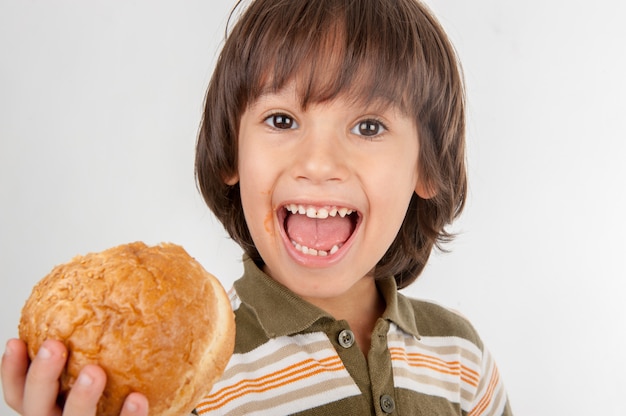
{"x": 361, "y": 307}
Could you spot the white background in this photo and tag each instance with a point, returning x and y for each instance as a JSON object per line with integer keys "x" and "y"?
{"x": 99, "y": 107}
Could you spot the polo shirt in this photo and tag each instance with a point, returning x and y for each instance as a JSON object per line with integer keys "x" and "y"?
{"x": 292, "y": 358}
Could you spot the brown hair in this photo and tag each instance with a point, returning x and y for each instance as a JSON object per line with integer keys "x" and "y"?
{"x": 393, "y": 51}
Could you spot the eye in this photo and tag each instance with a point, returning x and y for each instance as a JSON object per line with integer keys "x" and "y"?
{"x": 368, "y": 128}
{"x": 281, "y": 122}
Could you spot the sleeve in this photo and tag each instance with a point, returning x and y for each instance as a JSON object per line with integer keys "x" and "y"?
{"x": 490, "y": 398}
{"x": 487, "y": 394}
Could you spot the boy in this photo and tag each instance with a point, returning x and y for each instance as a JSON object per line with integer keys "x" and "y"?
{"x": 332, "y": 150}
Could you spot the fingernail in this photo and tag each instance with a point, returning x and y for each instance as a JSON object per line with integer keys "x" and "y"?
{"x": 131, "y": 406}
{"x": 84, "y": 380}
{"x": 7, "y": 349}
{"x": 44, "y": 353}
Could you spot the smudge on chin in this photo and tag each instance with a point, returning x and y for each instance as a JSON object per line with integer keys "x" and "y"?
{"x": 268, "y": 222}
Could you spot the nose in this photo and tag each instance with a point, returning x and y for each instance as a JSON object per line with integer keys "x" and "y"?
{"x": 321, "y": 157}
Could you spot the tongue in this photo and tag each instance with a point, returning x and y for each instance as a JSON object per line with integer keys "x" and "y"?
{"x": 320, "y": 234}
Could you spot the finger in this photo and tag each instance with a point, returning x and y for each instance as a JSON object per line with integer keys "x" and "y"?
{"x": 135, "y": 404}
{"x": 14, "y": 368}
{"x": 82, "y": 399}
{"x": 42, "y": 381}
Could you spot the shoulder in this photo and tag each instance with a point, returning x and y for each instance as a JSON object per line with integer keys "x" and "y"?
{"x": 435, "y": 320}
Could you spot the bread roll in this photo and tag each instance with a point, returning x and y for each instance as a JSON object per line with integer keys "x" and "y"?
{"x": 151, "y": 317}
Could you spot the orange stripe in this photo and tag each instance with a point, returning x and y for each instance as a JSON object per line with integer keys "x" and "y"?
{"x": 471, "y": 373}
{"x": 269, "y": 381}
{"x": 484, "y": 402}
{"x": 249, "y": 390}
{"x": 402, "y": 352}
{"x": 278, "y": 375}
{"x": 418, "y": 360}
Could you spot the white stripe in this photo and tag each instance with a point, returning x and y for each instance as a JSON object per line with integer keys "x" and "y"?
{"x": 235, "y": 302}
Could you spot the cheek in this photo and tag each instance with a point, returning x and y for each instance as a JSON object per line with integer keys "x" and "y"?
{"x": 391, "y": 194}
{"x": 395, "y": 186}
{"x": 256, "y": 200}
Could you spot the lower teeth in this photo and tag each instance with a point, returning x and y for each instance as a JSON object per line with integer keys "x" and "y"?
{"x": 313, "y": 252}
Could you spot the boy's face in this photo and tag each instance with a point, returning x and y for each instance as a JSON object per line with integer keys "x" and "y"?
{"x": 353, "y": 167}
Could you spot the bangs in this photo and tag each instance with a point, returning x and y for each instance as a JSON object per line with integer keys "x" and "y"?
{"x": 355, "y": 49}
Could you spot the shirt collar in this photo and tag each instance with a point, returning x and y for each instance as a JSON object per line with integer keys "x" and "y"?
{"x": 399, "y": 309}
{"x": 281, "y": 312}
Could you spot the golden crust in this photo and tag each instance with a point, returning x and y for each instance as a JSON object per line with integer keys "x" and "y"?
{"x": 151, "y": 317}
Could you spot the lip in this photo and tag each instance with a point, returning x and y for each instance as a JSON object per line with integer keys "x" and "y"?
{"x": 310, "y": 260}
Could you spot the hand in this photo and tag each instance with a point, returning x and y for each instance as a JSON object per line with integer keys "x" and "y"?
{"x": 32, "y": 390}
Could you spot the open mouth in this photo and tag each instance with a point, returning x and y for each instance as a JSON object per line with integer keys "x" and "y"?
{"x": 318, "y": 231}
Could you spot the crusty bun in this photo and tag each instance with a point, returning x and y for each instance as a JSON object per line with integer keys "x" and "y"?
{"x": 151, "y": 317}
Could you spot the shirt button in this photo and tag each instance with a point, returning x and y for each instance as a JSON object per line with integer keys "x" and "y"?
{"x": 387, "y": 404}
{"x": 346, "y": 338}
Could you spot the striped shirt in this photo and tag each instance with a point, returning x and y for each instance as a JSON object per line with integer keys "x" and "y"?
{"x": 293, "y": 358}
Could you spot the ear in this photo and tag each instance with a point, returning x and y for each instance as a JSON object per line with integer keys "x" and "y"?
{"x": 232, "y": 180}
{"x": 424, "y": 189}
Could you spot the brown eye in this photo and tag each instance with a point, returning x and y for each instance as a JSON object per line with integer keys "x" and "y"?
{"x": 281, "y": 122}
{"x": 368, "y": 128}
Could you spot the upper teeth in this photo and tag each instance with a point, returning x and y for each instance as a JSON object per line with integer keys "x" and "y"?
{"x": 313, "y": 212}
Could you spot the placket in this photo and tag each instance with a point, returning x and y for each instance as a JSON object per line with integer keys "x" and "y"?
{"x": 373, "y": 375}
{"x": 382, "y": 388}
